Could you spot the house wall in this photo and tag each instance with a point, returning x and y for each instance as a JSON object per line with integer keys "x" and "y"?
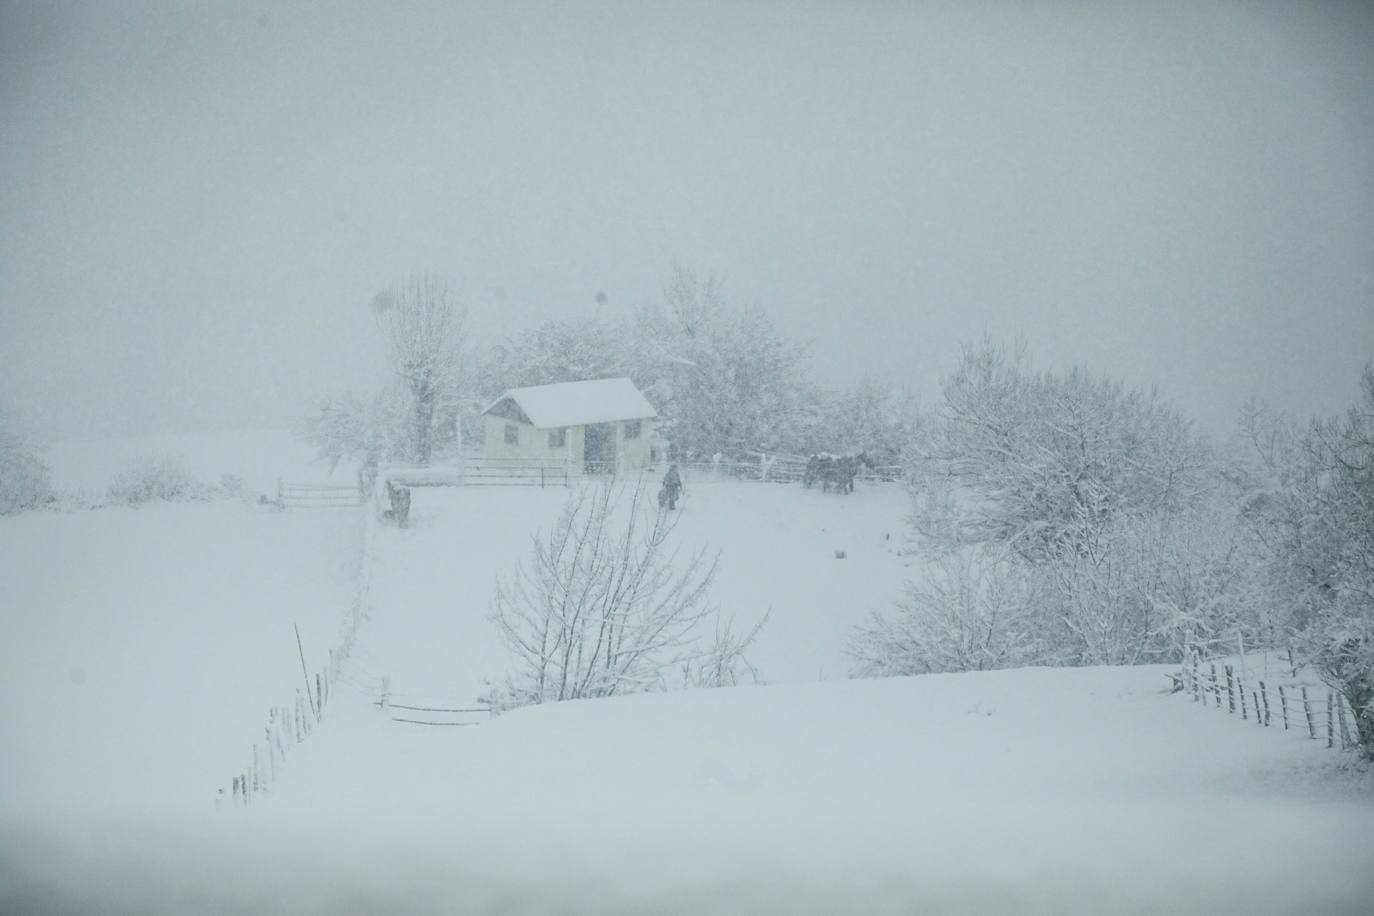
{"x": 534, "y": 443}
{"x": 634, "y": 453}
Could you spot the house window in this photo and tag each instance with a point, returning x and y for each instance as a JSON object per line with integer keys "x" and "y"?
{"x": 632, "y": 429}
{"x": 558, "y": 438}
{"x": 512, "y": 434}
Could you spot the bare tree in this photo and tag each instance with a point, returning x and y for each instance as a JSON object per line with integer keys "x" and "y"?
{"x": 607, "y": 606}
{"x": 423, "y": 322}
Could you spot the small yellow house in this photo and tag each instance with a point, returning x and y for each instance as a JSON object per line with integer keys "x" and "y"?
{"x": 593, "y": 427}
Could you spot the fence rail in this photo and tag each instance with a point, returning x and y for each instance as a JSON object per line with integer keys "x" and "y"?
{"x": 317, "y": 495}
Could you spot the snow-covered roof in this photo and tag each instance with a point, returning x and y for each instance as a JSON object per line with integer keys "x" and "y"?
{"x": 579, "y": 403}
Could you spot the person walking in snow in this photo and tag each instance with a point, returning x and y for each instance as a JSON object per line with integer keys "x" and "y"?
{"x": 672, "y": 488}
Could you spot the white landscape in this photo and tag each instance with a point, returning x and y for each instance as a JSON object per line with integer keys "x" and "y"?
{"x": 689, "y": 457}
{"x": 139, "y": 684}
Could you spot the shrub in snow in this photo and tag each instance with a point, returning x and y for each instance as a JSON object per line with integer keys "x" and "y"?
{"x": 973, "y": 612}
{"x": 1313, "y": 510}
{"x": 607, "y": 606}
{"x": 154, "y": 480}
{"x": 24, "y": 479}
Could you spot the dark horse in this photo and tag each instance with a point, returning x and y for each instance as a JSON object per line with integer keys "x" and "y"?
{"x": 834, "y": 472}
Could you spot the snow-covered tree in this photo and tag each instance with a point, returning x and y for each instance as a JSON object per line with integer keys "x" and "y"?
{"x": 1314, "y": 511}
{"x": 558, "y": 351}
{"x": 423, "y": 324}
{"x": 1042, "y": 461}
{"x": 24, "y": 479}
{"x": 725, "y": 378}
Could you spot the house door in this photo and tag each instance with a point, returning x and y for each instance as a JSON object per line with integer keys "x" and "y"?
{"x": 598, "y": 453}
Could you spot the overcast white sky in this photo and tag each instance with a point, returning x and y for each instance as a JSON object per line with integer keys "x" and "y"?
{"x": 197, "y": 201}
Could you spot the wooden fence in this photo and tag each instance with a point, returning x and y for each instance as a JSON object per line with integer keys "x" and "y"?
{"x": 770, "y": 468}
{"x": 1287, "y": 700}
{"x": 317, "y": 495}
{"x": 482, "y": 472}
{"x": 427, "y": 709}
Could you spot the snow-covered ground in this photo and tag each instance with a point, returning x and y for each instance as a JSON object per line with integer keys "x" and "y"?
{"x": 433, "y": 584}
{"x": 140, "y": 649}
{"x": 1047, "y": 791}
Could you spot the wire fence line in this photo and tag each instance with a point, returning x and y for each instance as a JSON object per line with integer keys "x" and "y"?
{"x": 291, "y": 723}
{"x": 1289, "y": 698}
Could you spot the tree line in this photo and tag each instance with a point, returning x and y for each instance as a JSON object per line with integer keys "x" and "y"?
{"x": 722, "y": 378}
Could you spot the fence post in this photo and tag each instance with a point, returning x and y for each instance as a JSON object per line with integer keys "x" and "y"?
{"x": 1230, "y": 691}
{"x": 1292, "y": 664}
{"x": 1283, "y": 706}
{"x": 1264, "y": 692}
{"x": 1216, "y": 688}
{"x": 1197, "y": 687}
{"x": 1307, "y": 711}
{"x": 1330, "y": 719}
{"x": 1254, "y": 694}
{"x": 1340, "y": 714}
{"x": 1240, "y": 688}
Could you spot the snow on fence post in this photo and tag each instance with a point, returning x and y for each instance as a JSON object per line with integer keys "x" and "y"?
{"x": 319, "y": 692}
{"x": 1264, "y": 692}
{"x": 271, "y": 757}
{"x": 1197, "y": 686}
{"x": 1307, "y": 711}
{"x": 1230, "y": 691}
{"x": 1240, "y": 688}
{"x": 386, "y": 696}
{"x": 1330, "y": 719}
{"x": 1254, "y": 695}
{"x": 1293, "y": 666}
{"x": 1216, "y": 687}
{"x": 1283, "y": 706}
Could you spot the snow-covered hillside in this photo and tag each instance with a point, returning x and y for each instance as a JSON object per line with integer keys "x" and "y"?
{"x": 141, "y": 649}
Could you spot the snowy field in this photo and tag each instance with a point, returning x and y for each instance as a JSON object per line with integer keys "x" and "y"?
{"x": 141, "y": 648}
{"x": 1043, "y": 791}
{"x": 433, "y": 584}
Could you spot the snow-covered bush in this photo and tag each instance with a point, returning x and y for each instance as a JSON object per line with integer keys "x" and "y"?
{"x": 24, "y": 479}
{"x": 975, "y": 611}
{"x": 155, "y": 480}
{"x": 607, "y": 606}
{"x": 1312, "y": 510}
{"x": 1070, "y": 520}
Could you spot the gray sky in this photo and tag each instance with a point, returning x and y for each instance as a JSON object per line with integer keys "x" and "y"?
{"x": 197, "y": 202}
